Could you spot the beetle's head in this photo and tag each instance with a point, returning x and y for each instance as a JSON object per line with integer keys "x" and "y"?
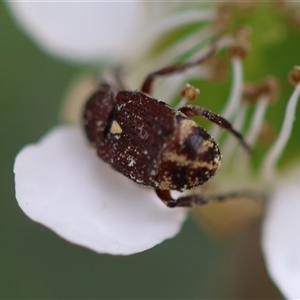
{"x": 97, "y": 112}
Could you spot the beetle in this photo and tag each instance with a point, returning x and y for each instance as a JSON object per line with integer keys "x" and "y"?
{"x": 154, "y": 144}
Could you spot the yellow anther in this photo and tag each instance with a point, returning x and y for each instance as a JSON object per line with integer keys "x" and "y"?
{"x": 294, "y": 76}
{"x": 189, "y": 92}
{"x": 268, "y": 87}
{"x": 240, "y": 46}
{"x": 218, "y": 69}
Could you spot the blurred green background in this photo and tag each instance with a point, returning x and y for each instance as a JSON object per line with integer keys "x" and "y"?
{"x": 35, "y": 263}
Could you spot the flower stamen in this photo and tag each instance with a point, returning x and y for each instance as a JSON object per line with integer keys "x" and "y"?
{"x": 183, "y": 18}
{"x": 183, "y": 45}
{"x": 237, "y": 52}
{"x": 235, "y": 94}
{"x": 263, "y": 93}
{"x": 257, "y": 120}
{"x": 170, "y": 23}
{"x": 228, "y": 149}
{"x": 272, "y": 157}
{"x": 217, "y": 69}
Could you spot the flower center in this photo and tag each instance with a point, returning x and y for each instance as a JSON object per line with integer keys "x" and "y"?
{"x": 248, "y": 104}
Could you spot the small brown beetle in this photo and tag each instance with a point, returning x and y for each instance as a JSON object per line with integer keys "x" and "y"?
{"x": 153, "y": 144}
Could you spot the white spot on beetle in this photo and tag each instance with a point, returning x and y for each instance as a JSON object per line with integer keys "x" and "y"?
{"x": 132, "y": 162}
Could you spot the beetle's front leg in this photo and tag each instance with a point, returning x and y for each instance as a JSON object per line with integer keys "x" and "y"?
{"x": 187, "y": 201}
{"x": 198, "y": 199}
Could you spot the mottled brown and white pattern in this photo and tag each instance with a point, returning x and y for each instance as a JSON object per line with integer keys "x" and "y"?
{"x": 149, "y": 142}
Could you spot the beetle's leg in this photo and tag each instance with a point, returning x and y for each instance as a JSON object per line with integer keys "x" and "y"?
{"x": 198, "y": 199}
{"x": 176, "y": 68}
{"x": 188, "y": 201}
{"x": 190, "y": 110}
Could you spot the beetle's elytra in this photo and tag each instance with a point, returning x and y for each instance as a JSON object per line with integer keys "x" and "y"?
{"x": 149, "y": 142}
{"x": 153, "y": 144}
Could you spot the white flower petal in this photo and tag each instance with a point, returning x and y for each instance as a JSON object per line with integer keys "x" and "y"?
{"x": 61, "y": 183}
{"x": 281, "y": 236}
{"x": 82, "y": 31}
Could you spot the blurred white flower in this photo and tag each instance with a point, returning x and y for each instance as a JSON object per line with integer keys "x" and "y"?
{"x": 62, "y": 184}
{"x": 81, "y": 31}
{"x": 109, "y": 31}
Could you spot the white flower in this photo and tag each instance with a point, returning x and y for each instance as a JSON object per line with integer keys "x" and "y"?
{"x": 62, "y": 184}
{"x": 98, "y": 31}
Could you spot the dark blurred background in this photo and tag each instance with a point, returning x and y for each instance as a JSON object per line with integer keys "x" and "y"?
{"x": 35, "y": 263}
